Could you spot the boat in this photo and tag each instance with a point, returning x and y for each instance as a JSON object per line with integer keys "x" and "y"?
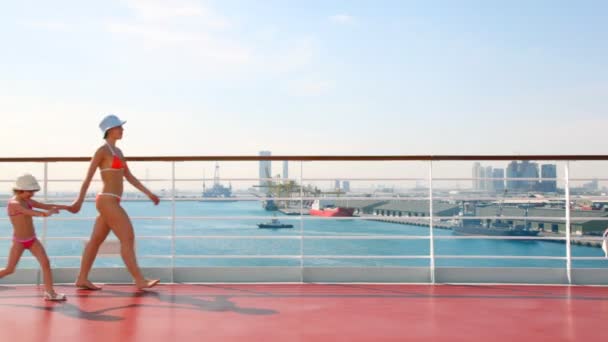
{"x": 328, "y": 208}
{"x": 274, "y": 223}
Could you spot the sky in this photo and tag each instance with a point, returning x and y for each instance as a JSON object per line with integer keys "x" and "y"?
{"x": 305, "y": 77}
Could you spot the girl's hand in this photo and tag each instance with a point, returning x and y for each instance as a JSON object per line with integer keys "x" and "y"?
{"x": 154, "y": 198}
{"x": 51, "y": 212}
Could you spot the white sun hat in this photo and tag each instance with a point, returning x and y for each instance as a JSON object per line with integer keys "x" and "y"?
{"x": 110, "y": 121}
{"x": 26, "y": 182}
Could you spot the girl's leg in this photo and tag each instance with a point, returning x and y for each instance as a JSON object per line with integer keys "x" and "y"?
{"x": 13, "y": 259}
{"x": 99, "y": 235}
{"x": 47, "y": 275}
{"x": 49, "y": 292}
{"x": 116, "y": 217}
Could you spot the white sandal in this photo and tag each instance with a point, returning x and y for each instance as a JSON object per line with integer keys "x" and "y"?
{"x": 55, "y": 297}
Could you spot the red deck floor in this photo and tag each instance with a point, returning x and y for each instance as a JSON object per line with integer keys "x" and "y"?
{"x": 309, "y": 312}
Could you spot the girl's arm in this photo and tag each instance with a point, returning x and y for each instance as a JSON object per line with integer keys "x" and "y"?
{"x": 137, "y": 184}
{"x": 19, "y": 209}
{"x": 46, "y": 206}
{"x": 95, "y": 161}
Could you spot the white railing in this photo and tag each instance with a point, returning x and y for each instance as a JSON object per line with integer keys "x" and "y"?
{"x": 432, "y": 256}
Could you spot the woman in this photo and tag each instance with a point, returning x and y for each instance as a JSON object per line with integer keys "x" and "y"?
{"x": 113, "y": 167}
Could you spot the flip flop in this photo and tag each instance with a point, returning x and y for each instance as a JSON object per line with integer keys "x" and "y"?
{"x": 54, "y": 297}
{"x": 87, "y": 288}
{"x": 151, "y": 284}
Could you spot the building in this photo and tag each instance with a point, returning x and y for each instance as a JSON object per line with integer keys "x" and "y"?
{"x": 529, "y": 170}
{"x": 525, "y": 169}
{"x": 265, "y": 172}
{"x": 578, "y": 227}
{"x": 481, "y": 182}
{"x": 488, "y": 182}
{"x": 476, "y": 175}
{"x": 512, "y": 184}
{"x": 285, "y": 170}
{"x": 346, "y": 186}
{"x": 498, "y": 183}
{"x": 548, "y": 171}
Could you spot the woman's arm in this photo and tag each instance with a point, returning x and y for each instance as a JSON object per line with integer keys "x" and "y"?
{"x": 137, "y": 184}
{"x": 95, "y": 161}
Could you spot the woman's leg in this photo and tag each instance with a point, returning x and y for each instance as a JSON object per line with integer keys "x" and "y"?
{"x": 116, "y": 217}
{"x": 98, "y": 236}
{"x": 13, "y": 259}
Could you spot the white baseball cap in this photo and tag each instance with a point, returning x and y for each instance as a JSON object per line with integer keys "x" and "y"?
{"x": 26, "y": 182}
{"x": 110, "y": 121}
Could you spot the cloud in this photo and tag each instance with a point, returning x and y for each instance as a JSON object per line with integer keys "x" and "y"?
{"x": 49, "y": 25}
{"x": 342, "y": 19}
{"x": 311, "y": 87}
{"x": 165, "y": 10}
{"x": 191, "y": 39}
{"x": 182, "y": 33}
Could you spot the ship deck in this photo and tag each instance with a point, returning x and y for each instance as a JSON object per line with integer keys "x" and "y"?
{"x": 307, "y": 312}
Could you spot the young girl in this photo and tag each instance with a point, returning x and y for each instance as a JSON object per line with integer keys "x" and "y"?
{"x": 20, "y": 211}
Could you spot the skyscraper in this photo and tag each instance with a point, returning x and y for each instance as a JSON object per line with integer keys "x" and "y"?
{"x": 525, "y": 169}
{"x": 549, "y": 171}
{"x": 265, "y": 172}
{"x": 512, "y": 173}
{"x": 346, "y": 186}
{"x": 529, "y": 170}
{"x": 285, "y": 170}
{"x": 499, "y": 180}
{"x": 476, "y": 175}
{"x": 489, "y": 185}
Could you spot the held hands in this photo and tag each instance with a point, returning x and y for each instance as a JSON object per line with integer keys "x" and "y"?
{"x": 75, "y": 207}
{"x": 51, "y": 212}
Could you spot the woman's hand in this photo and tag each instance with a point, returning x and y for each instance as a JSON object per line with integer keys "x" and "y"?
{"x": 154, "y": 198}
{"x": 75, "y": 207}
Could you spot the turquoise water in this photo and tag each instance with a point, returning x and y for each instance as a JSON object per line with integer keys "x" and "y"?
{"x": 202, "y": 242}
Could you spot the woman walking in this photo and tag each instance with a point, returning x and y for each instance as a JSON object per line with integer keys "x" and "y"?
{"x": 112, "y": 217}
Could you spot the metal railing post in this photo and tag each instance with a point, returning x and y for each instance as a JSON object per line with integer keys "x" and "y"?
{"x": 568, "y": 234}
{"x": 301, "y": 223}
{"x": 173, "y": 221}
{"x": 432, "y": 236}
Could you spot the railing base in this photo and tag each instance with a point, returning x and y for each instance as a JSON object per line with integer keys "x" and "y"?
{"x": 272, "y": 274}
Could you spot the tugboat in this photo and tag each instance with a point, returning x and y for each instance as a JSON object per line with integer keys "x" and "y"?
{"x": 274, "y": 223}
